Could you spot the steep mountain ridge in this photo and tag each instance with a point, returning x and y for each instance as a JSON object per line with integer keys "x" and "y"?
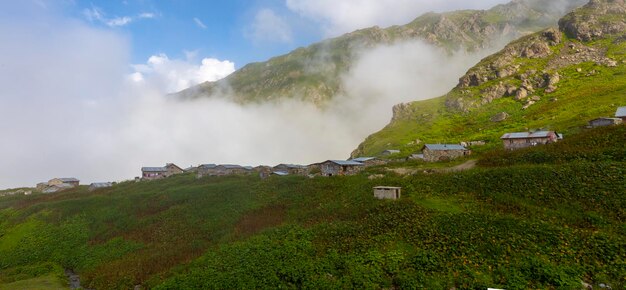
{"x": 313, "y": 73}
{"x": 551, "y": 79}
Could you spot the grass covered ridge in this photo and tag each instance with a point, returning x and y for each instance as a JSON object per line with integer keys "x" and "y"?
{"x": 586, "y": 91}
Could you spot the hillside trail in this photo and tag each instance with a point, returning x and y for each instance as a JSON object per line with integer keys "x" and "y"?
{"x": 461, "y": 167}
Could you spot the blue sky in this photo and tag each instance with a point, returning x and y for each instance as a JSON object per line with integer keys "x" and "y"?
{"x": 84, "y": 83}
{"x": 216, "y": 29}
{"x": 241, "y": 31}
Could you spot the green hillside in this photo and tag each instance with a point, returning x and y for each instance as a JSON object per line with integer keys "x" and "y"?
{"x": 313, "y": 73}
{"x": 516, "y": 223}
{"x": 554, "y": 79}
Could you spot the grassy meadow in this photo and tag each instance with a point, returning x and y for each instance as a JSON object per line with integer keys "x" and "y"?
{"x": 544, "y": 218}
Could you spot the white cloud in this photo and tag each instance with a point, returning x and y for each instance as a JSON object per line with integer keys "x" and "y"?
{"x": 172, "y": 75}
{"x": 269, "y": 27}
{"x": 70, "y": 107}
{"x": 199, "y": 23}
{"x": 95, "y": 14}
{"x": 119, "y": 21}
{"x": 147, "y": 15}
{"x": 338, "y": 17}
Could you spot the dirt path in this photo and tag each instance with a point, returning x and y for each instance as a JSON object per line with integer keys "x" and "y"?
{"x": 461, "y": 167}
{"x": 465, "y": 166}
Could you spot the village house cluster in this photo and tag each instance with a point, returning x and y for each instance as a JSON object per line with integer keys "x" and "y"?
{"x": 429, "y": 153}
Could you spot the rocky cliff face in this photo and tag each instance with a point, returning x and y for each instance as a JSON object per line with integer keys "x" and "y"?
{"x": 502, "y": 75}
{"x": 596, "y": 20}
{"x": 312, "y": 73}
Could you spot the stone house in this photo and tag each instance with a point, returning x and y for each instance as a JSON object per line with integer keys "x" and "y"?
{"x": 369, "y": 161}
{"x": 98, "y": 185}
{"x": 621, "y": 113}
{"x": 172, "y": 169}
{"x": 224, "y": 169}
{"x": 263, "y": 171}
{"x": 206, "y": 170}
{"x": 443, "y": 152}
{"x": 340, "y": 167}
{"x": 72, "y": 182}
{"x": 291, "y": 169}
{"x": 519, "y": 140}
{"x": 603, "y": 122}
{"x": 387, "y": 192}
{"x": 152, "y": 173}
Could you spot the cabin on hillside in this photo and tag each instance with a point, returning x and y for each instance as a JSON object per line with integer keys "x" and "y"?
{"x": 340, "y": 167}
{"x": 99, "y": 185}
{"x": 444, "y": 152}
{"x": 387, "y": 192}
{"x": 223, "y": 170}
{"x": 520, "y": 140}
{"x": 152, "y": 173}
{"x": 603, "y": 122}
{"x": 206, "y": 170}
{"x": 292, "y": 169}
{"x": 263, "y": 171}
{"x": 232, "y": 169}
{"x": 621, "y": 113}
{"x": 72, "y": 182}
{"x": 369, "y": 161}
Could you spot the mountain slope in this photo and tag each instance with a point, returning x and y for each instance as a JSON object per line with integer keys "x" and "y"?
{"x": 312, "y": 73}
{"x": 555, "y": 79}
{"x": 535, "y": 224}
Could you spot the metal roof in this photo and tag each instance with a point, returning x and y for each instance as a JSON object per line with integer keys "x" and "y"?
{"x": 363, "y": 159}
{"x": 153, "y": 169}
{"x": 71, "y": 179}
{"x": 392, "y": 151}
{"x": 346, "y": 163}
{"x": 526, "y": 135}
{"x": 294, "y": 166}
{"x": 232, "y": 166}
{"x": 280, "y": 173}
{"x": 444, "y": 147}
{"x": 621, "y": 112}
{"x": 606, "y": 118}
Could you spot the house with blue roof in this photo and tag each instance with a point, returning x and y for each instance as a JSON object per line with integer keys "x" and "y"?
{"x": 369, "y": 161}
{"x": 340, "y": 167}
{"x": 443, "y": 152}
{"x": 520, "y": 140}
{"x": 293, "y": 169}
{"x": 151, "y": 173}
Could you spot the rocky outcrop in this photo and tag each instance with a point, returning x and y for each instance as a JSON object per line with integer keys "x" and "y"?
{"x": 503, "y": 65}
{"x": 402, "y": 111}
{"x": 499, "y": 117}
{"x": 596, "y": 20}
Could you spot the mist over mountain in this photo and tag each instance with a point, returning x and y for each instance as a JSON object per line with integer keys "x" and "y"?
{"x": 85, "y": 118}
